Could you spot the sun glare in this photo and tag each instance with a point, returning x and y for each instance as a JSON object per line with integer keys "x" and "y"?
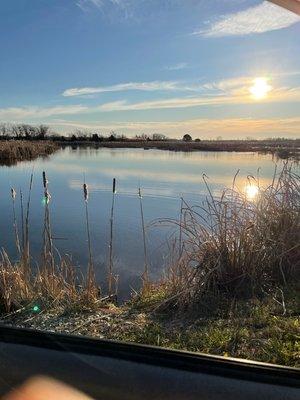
{"x": 251, "y": 191}
{"x": 260, "y": 88}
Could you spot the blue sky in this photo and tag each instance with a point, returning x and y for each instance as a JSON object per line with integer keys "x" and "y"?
{"x": 147, "y": 66}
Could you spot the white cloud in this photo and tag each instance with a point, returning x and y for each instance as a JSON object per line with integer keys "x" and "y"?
{"x": 142, "y": 86}
{"x": 258, "y": 19}
{"x": 123, "y": 105}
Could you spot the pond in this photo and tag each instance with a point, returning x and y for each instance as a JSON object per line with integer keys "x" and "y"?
{"x": 164, "y": 177}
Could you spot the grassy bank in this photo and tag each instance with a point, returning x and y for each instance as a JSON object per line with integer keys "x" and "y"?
{"x": 13, "y": 151}
{"x": 256, "y": 330}
{"x": 232, "y": 286}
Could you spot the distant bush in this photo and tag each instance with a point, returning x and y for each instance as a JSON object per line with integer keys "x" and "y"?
{"x": 187, "y": 138}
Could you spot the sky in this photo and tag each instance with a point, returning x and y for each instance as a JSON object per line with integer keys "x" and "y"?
{"x": 218, "y": 68}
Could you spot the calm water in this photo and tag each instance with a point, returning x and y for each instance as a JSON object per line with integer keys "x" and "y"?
{"x": 163, "y": 176}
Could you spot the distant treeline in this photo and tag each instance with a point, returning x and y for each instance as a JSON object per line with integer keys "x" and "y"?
{"x": 43, "y": 132}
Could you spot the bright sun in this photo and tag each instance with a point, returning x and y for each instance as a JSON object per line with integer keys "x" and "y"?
{"x": 260, "y": 88}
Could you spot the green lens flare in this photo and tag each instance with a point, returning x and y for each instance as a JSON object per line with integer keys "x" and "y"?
{"x": 35, "y": 308}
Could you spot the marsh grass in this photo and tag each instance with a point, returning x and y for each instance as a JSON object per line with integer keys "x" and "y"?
{"x": 13, "y": 151}
{"x": 234, "y": 247}
{"x": 54, "y": 281}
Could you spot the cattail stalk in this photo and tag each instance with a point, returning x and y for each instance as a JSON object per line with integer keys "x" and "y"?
{"x": 22, "y": 219}
{"x": 110, "y": 268}
{"x": 90, "y": 272}
{"x": 26, "y": 252}
{"x": 48, "y": 242}
{"x": 146, "y": 269}
{"x": 13, "y": 196}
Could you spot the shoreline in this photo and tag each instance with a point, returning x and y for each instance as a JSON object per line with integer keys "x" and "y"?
{"x": 282, "y": 149}
{"x": 16, "y": 150}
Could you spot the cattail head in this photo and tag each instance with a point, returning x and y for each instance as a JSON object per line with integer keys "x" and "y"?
{"x": 114, "y": 185}
{"x": 13, "y": 193}
{"x": 45, "y": 180}
{"x": 140, "y": 193}
{"x": 47, "y": 197}
{"x": 85, "y": 192}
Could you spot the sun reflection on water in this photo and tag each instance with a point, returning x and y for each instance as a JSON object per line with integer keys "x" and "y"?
{"x": 251, "y": 191}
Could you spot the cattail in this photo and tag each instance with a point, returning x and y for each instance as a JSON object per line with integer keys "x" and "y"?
{"x": 13, "y": 196}
{"x": 146, "y": 273}
{"x": 110, "y": 270}
{"x": 85, "y": 192}
{"x": 45, "y": 180}
{"x": 48, "y": 242}
{"x": 26, "y": 254}
{"x": 47, "y": 196}
{"x": 90, "y": 272}
{"x": 22, "y": 218}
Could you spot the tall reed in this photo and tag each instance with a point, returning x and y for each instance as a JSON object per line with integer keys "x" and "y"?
{"x": 15, "y": 223}
{"x": 145, "y": 276}
{"x": 90, "y": 271}
{"x": 110, "y": 267}
{"x": 47, "y": 233}
{"x": 26, "y": 249}
{"x": 22, "y": 219}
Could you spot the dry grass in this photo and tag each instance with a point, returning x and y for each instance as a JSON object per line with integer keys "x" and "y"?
{"x": 13, "y": 151}
{"x": 54, "y": 282}
{"x": 234, "y": 247}
{"x": 42, "y": 287}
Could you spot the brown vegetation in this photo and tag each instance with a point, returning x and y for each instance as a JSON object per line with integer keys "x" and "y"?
{"x": 234, "y": 248}
{"x": 13, "y": 151}
{"x": 284, "y": 149}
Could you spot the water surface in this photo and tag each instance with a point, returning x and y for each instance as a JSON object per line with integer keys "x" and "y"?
{"x": 164, "y": 177}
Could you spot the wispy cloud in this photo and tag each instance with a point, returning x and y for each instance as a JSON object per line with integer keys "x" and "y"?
{"x": 258, "y": 19}
{"x": 223, "y": 92}
{"x": 125, "y": 6}
{"x": 185, "y": 102}
{"x": 176, "y": 67}
{"x": 237, "y": 95}
{"x": 20, "y": 113}
{"x": 141, "y": 86}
